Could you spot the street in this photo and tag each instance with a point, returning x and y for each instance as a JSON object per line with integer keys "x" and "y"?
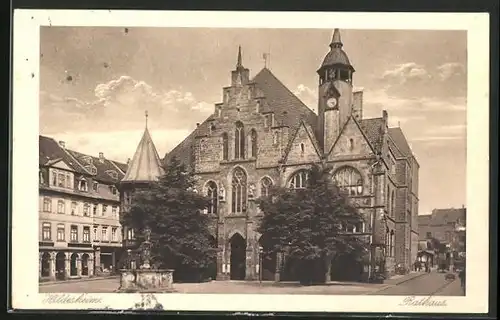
{"x": 433, "y": 283}
{"x": 428, "y": 284}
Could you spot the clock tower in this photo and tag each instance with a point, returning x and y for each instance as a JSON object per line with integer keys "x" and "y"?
{"x": 335, "y": 92}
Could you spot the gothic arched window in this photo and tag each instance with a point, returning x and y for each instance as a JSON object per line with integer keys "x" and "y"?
{"x": 239, "y": 141}
{"x": 299, "y": 180}
{"x": 265, "y": 185}
{"x": 392, "y": 203}
{"x": 212, "y": 194}
{"x": 349, "y": 179}
{"x": 253, "y": 140}
{"x": 225, "y": 146}
{"x": 239, "y": 191}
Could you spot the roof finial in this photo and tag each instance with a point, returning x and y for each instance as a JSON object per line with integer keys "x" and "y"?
{"x": 146, "y": 114}
{"x": 239, "y": 64}
{"x": 336, "y": 41}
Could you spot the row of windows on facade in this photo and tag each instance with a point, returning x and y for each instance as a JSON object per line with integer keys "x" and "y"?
{"x": 61, "y": 179}
{"x": 75, "y": 208}
{"x": 61, "y": 233}
{"x": 347, "y": 178}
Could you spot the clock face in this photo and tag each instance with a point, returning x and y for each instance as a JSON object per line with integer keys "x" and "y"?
{"x": 332, "y": 102}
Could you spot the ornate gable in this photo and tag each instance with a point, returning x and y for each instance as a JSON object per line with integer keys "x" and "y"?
{"x": 352, "y": 141}
{"x": 302, "y": 146}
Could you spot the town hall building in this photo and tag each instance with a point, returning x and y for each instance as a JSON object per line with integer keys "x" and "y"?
{"x": 262, "y": 135}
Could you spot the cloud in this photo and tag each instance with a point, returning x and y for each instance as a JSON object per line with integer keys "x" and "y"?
{"x": 308, "y": 96}
{"x": 120, "y": 104}
{"x": 405, "y": 72}
{"x": 451, "y": 69}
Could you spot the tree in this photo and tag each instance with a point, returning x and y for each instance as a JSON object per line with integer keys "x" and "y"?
{"x": 173, "y": 210}
{"x": 308, "y": 224}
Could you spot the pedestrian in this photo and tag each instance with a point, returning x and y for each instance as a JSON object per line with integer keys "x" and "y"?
{"x": 461, "y": 275}
{"x": 426, "y": 266}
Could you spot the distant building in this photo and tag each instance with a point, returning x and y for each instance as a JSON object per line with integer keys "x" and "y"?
{"x": 441, "y": 224}
{"x": 80, "y": 233}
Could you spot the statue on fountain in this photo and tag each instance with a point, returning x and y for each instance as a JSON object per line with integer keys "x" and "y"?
{"x": 146, "y": 278}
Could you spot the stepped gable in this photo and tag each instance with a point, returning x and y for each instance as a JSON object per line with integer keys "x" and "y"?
{"x": 146, "y": 165}
{"x": 288, "y": 110}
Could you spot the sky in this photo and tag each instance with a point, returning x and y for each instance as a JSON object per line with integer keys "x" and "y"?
{"x": 97, "y": 82}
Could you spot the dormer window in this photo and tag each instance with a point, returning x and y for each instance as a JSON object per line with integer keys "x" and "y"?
{"x": 95, "y": 186}
{"x": 82, "y": 185}
{"x": 113, "y": 190}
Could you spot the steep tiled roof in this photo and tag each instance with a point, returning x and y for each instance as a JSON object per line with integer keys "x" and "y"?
{"x": 288, "y": 110}
{"x": 50, "y": 150}
{"x": 373, "y": 129}
{"x": 399, "y": 139}
{"x": 146, "y": 164}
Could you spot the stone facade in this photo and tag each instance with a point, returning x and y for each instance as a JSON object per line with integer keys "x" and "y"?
{"x": 80, "y": 232}
{"x": 261, "y": 133}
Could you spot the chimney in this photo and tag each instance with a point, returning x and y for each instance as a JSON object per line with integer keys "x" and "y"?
{"x": 62, "y": 144}
{"x": 101, "y": 156}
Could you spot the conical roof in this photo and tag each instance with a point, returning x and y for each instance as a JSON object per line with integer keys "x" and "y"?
{"x": 146, "y": 165}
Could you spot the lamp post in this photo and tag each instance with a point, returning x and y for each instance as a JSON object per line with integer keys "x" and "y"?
{"x": 261, "y": 250}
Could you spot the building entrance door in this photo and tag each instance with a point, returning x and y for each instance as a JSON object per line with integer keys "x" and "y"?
{"x": 238, "y": 257}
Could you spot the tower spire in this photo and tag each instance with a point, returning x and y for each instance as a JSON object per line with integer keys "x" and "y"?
{"x": 336, "y": 40}
{"x": 239, "y": 63}
{"x": 146, "y": 115}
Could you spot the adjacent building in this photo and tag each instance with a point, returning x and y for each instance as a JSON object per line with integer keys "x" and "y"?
{"x": 80, "y": 232}
{"x": 261, "y": 134}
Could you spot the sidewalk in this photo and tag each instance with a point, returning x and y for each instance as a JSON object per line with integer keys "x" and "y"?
{"x": 45, "y": 283}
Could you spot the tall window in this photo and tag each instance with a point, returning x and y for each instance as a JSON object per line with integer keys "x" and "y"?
{"x": 253, "y": 140}
{"x": 239, "y": 141}
{"x": 95, "y": 209}
{"x": 299, "y": 180}
{"x": 61, "y": 180}
{"x": 95, "y": 186}
{"x": 239, "y": 191}
{"x": 104, "y": 234}
{"x": 47, "y": 205}
{"x": 104, "y": 209}
{"x": 349, "y": 180}
{"x": 213, "y": 196}
{"x": 265, "y": 185}
{"x": 114, "y": 235}
{"x": 86, "y": 234}
{"x": 113, "y": 211}
{"x": 392, "y": 246}
{"x": 225, "y": 146}
{"x": 393, "y": 203}
{"x": 46, "y": 232}
{"x": 60, "y": 206}
{"x": 74, "y": 234}
{"x": 60, "y": 232}
{"x": 96, "y": 235}
{"x": 73, "y": 208}
{"x": 86, "y": 209}
{"x": 40, "y": 176}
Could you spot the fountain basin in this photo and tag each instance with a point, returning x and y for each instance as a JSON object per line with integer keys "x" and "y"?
{"x": 146, "y": 280}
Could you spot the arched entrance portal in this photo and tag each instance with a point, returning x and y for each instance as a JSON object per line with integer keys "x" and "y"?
{"x": 45, "y": 264}
{"x": 238, "y": 257}
{"x": 268, "y": 259}
{"x": 73, "y": 267}
{"x": 60, "y": 265}
{"x": 85, "y": 264}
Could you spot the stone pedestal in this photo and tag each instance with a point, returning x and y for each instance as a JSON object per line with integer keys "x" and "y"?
{"x": 146, "y": 280}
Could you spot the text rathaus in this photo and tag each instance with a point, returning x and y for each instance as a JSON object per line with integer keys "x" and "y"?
{"x": 261, "y": 135}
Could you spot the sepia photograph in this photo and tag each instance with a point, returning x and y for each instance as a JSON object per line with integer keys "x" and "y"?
{"x": 253, "y": 161}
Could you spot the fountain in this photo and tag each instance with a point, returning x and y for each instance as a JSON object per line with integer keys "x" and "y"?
{"x": 146, "y": 278}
